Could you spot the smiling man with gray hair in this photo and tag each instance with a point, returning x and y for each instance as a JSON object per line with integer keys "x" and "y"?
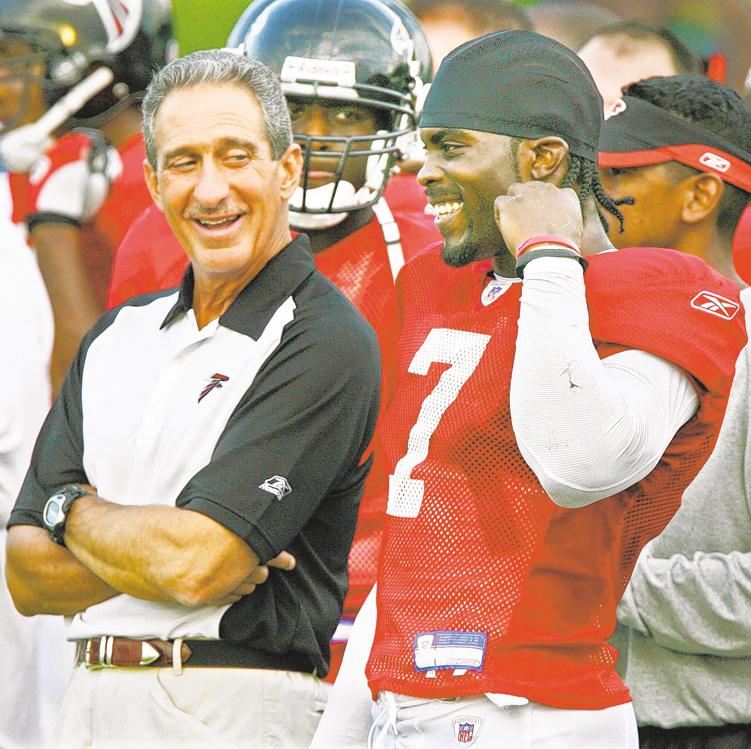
{"x": 199, "y": 432}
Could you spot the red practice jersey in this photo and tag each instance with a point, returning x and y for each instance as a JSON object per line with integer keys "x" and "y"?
{"x": 128, "y": 197}
{"x": 484, "y": 584}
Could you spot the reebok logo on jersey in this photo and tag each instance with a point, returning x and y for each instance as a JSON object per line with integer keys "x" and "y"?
{"x": 466, "y": 729}
{"x": 276, "y": 485}
{"x": 216, "y": 382}
{"x": 714, "y": 304}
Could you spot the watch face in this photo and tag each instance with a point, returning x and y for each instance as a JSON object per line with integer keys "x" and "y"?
{"x": 53, "y": 510}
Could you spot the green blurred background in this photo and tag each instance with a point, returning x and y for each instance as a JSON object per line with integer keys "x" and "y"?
{"x": 204, "y": 24}
{"x": 705, "y": 25}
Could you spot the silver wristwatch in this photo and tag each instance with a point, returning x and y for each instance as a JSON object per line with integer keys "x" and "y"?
{"x": 56, "y": 511}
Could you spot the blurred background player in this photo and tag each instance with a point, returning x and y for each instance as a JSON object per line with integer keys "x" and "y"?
{"x": 449, "y": 23}
{"x": 629, "y": 51}
{"x": 571, "y": 22}
{"x": 681, "y": 146}
{"x": 81, "y": 194}
{"x": 26, "y": 332}
{"x": 352, "y": 71}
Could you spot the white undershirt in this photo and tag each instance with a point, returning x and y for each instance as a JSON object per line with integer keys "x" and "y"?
{"x": 587, "y": 427}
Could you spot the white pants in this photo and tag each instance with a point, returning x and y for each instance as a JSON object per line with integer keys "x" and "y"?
{"x": 122, "y": 708}
{"x": 19, "y": 684}
{"x": 402, "y": 722}
{"x": 35, "y": 666}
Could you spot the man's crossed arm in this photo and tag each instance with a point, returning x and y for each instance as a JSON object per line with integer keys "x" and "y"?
{"x": 156, "y": 553}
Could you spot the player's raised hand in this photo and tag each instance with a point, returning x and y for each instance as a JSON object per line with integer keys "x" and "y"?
{"x": 534, "y": 208}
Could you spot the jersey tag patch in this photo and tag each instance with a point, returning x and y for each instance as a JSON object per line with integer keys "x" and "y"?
{"x": 443, "y": 651}
{"x": 276, "y": 485}
{"x": 466, "y": 729}
{"x": 715, "y": 304}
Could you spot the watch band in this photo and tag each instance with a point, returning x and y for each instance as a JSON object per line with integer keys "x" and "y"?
{"x": 65, "y": 498}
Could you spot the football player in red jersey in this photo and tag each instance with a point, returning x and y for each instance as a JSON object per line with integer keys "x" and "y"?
{"x": 545, "y": 422}
{"x": 78, "y": 195}
{"x": 352, "y": 71}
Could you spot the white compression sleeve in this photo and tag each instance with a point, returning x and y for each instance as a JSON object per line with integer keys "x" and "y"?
{"x": 587, "y": 427}
{"x": 346, "y": 722}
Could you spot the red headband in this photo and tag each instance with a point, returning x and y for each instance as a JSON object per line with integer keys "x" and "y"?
{"x": 729, "y": 168}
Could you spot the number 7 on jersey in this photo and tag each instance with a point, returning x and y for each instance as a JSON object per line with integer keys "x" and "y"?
{"x": 463, "y": 351}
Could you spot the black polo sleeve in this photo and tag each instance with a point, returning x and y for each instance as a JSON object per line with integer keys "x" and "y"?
{"x": 298, "y": 435}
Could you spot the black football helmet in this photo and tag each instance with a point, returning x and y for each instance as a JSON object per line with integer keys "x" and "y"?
{"x": 367, "y": 52}
{"x": 66, "y": 40}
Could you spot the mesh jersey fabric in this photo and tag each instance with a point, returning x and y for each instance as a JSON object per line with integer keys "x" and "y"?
{"x": 472, "y": 544}
{"x": 151, "y": 259}
{"x": 128, "y": 197}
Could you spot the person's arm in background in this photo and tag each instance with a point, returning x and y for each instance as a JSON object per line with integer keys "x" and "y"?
{"x": 74, "y": 305}
{"x": 700, "y": 602}
{"x": 64, "y": 199}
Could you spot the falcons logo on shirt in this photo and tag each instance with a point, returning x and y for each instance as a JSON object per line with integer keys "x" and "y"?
{"x": 216, "y": 382}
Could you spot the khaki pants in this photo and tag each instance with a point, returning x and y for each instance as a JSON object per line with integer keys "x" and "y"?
{"x": 200, "y": 707}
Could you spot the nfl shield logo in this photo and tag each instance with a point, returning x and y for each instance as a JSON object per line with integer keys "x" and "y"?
{"x": 466, "y": 729}
{"x": 466, "y": 732}
{"x": 494, "y": 290}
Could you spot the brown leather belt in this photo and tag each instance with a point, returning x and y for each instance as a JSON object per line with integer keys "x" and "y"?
{"x": 104, "y": 652}
{"x": 110, "y": 652}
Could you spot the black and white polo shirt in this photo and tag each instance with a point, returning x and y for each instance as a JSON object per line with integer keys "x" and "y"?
{"x": 259, "y": 420}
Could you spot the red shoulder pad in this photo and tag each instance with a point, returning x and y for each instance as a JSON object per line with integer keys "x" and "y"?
{"x": 149, "y": 258}
{"x": 671, "y": 304}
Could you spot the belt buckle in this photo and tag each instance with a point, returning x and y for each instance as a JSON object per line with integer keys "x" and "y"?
{"x": 103, "y": 658}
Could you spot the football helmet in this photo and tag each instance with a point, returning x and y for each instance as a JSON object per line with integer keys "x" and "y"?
{"x": 55, "y": 44}
{"x": 370, "y": 53}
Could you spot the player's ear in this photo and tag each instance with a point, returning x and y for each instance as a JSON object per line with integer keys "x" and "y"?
{"x": 702, "y": 195}
{"x": 291, "y": 168}
{"x": 544, "y": 159}
{"x": 152, "y": 183}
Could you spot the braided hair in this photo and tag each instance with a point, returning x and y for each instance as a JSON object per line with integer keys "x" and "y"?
{"x": 585, "y": 174}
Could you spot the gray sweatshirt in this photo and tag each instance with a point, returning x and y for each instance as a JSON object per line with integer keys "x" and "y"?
{"x": 685, "y": 620}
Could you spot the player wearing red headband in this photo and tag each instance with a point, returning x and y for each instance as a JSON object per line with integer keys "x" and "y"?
{"x": 680, "y": 146}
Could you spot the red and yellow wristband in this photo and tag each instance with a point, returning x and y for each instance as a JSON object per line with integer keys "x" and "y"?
{"x": 546, "y": 245}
